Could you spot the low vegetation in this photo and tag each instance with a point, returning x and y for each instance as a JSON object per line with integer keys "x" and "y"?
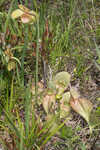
{"x": 49, "y": 75}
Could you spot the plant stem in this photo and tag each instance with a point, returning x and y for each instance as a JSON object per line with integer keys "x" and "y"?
{"x": 37, "y": 55}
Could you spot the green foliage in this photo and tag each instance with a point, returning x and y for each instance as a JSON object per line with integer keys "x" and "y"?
{"x": 63, "y": 39}
{"x": 30, "y": 133}
{"x": 97, "y": 63}
{"x": 66, "y": 132}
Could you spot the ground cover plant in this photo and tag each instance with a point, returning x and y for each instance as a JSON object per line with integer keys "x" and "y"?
{"x": 49, "y": 75}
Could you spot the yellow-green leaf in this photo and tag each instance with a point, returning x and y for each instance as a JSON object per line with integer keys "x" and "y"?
{"x": 82, "y": 106}
{"x": 64, "y": 105}
{"x": 74, "y": 92}
{"x": 62, "y": 79}
{"x": 23, "y": 8}
{"x": 64, "y": 110}
{"x": 17, "y": 13}
{"x": 66, "y": 98}
{"x": 48, "y": 103}
{"x": 33, "y": 13}
{"x": 26, "y": 15}
{"x": 11, "y": 65}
